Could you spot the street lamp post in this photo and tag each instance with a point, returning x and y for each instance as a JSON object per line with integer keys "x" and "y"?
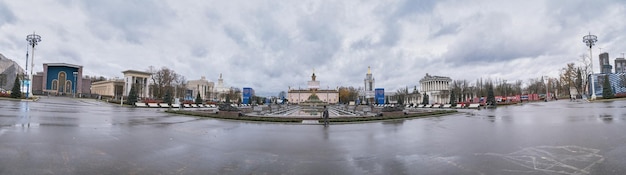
{"x": 75, "y": 81}
{"x": 547, "y": 81}
{"x": 32, "y": 39}
{"x": 590, "y": 40}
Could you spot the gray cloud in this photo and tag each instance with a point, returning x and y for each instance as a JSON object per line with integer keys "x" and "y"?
{"x": 273, "y": 45}
{"x": 133, "y": 19}
{"x": 6, "y": 15}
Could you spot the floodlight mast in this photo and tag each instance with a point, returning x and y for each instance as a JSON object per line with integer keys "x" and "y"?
{"x": 591, "y": 40}
{"x": 32, "y": 39}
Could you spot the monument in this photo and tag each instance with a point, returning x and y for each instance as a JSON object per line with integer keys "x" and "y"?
{"x": 313, "y": 99}
{"x": 313, "y": 94}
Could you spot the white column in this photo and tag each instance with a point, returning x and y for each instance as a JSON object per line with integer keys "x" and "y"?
{"x": 430, "y": 88}
{"x": 146, "y": 89}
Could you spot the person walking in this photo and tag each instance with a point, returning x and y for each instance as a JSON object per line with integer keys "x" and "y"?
{"x": 325, "y": 115}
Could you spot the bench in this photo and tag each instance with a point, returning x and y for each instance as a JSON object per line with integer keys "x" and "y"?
{"x": 474, "y": 106}
{"x": 138, "y": 104}
{"x": 446, "y": 106}
{"x": 164, "y": 105}
{"x": 153, "y": 105}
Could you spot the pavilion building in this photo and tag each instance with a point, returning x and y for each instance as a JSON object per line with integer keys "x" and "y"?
{"x": 139, "y": 79}
{"x": 437, "y": 88}
{"x": 60, "y": 79}
{"x": 298, "y": 96}
{"x": 202, "y": 87}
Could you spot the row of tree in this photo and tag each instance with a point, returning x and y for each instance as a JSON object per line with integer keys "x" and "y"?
{"x": 571, "y": 77}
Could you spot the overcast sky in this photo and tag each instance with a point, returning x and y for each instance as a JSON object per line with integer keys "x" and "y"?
{"x": 271, "y": 45}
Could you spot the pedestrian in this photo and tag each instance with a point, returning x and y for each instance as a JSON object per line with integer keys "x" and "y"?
{"x": 325, "y": 115}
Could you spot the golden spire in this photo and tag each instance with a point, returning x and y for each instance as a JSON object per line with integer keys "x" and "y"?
{"x": 369, "y": 71}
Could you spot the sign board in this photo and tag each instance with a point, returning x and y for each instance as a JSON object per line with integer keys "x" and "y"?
{"x": 25, "y": 84}
{"x": 380, "y": 95}
{"x": 247, "y": 95}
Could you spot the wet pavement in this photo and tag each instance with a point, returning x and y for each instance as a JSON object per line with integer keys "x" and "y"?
{"x": 78, "y": 136}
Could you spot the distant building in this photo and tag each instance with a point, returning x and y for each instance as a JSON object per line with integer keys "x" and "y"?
{"x": 302, "y": 95}
{"x": 617, "y": 82}
{"x": 109, "y": 88}
{"x": 605, "y": 67}
{"x": 620, "y": 65}
{"x": 139, "y": 79}
{"x": 9, "y": 69}
{"x": 61, "y": 79}
{"x": 220, "y": 90}
{"x": 437, "y": 88}
{"x": 368, "y": 87}
{"x": 202, "y": 87}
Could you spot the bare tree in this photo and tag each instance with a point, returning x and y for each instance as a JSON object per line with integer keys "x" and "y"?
{"x": 163, "y": 80}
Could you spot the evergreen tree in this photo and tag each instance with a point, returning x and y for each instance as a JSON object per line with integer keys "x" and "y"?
{"x": 168, "y": 96}
{"x": 198, "y": 99}
{"x": 425, "y": 98}
{"x": 16, "y": 92}
{"x": 452, "y": 98}
{"x": 607, "y": 92}
{"x": 132, "y": 96}
{"x": 228, "y": 99}
{"x": 491, "y": 99}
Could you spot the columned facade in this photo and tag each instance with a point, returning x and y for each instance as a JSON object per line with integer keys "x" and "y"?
{"x": 202, "y": 87}
{"x": 437, "y": 88}
{"x": 297, "y": 96}
{"x": 138, "y": 79}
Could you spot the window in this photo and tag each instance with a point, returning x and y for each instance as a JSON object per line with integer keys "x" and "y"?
{"x": 55, "y": 85}
{"x": 62, "y": 79}
{"x": 68, "y": 86}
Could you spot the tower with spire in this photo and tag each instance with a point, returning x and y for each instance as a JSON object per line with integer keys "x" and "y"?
{"x": 369, "y": 85}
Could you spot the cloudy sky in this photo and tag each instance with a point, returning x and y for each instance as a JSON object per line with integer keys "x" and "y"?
{"x": 270, "y": 45}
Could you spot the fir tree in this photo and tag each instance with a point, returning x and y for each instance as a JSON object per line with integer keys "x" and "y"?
{"x": 491, "y": 99}
{"x": 198, "y": 99}
{"x": 132, "y": 96}
{"x": 168, "y": 96}
{"x": 452, "y": 98}
{"x": 607, "y": 92}
{"x": 16, "y": 92}
{"x": 425, "y": 99}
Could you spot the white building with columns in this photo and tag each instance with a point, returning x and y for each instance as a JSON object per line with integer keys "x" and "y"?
{"x": 202, "y": 86}
{"x": 138, "y": 79}
{"x": 297, "y": 96}
{"x": 437, "y": 88}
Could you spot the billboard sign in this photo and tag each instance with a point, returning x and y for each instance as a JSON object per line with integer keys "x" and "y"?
{"x": 380, "y": 95}
{"x": 247, "y": 95}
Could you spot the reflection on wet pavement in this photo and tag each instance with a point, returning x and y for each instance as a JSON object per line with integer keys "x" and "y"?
{"x": 553, "y": 159}
{"x": 83, "y": 136}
